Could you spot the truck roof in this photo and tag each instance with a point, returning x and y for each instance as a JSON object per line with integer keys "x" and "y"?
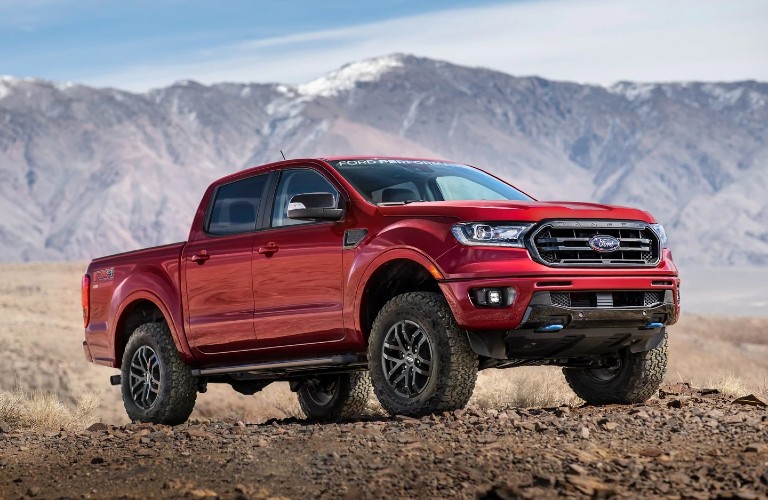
{"x": 297, "y": 161}
{"x": 404, "y": 158}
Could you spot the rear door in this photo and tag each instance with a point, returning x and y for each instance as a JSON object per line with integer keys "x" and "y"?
{"x": 297, "y": 269}
{"x": 219, "y": 274}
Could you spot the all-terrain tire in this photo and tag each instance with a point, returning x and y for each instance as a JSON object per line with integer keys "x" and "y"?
{"x": 347, "y": 396}
{"x": 637, "y": 378}
{"x": 173, "y": 388}
{"x": 453, "y": 368}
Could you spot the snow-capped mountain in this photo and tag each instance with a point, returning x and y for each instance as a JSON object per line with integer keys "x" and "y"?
{"x": 86, "y": 172}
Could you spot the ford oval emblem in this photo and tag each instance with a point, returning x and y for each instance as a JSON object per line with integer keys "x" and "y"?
{"x": 604, "y": 244}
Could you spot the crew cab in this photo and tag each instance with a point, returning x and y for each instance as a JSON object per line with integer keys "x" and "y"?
{"x": 402, "y": 275}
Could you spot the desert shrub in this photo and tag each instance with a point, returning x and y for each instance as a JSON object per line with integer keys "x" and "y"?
{"x": 729, "y": 384}
{"x": 41, "y": 411}
{"x": 523, "y": 387}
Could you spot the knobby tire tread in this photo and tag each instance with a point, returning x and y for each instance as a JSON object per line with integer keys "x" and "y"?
{"x": 638, "y": 380}
{"x": 459, "y": 366}
{"x": 351, "y": 402}
{"x": 178, "y": 394}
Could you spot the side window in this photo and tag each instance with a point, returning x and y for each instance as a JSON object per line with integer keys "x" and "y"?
{"x": 236, "y": 206}
{"x": 293, "y": 182}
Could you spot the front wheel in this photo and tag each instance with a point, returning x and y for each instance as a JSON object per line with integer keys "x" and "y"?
{"x": 332, "y": 397}
{"x": 631, "y": 378}
{"x": 157, "y": 385}
{"x": 420, "y": 359}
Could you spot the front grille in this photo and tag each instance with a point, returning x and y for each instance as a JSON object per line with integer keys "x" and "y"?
{"x": 603, "y": 300}
{"x": 567, "y": 244}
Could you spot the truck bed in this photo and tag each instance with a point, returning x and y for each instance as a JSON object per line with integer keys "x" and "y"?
{"x": 122, "y": 278}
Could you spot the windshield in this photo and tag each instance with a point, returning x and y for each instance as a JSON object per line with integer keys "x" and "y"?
{"x": 393, "y": 181}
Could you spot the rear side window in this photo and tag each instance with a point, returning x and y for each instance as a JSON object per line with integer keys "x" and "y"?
{"x": 236, "y": 206}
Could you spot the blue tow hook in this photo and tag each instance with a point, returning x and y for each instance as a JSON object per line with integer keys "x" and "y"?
{"x": 652, "y": 326}
{"x": 549, "y": 329}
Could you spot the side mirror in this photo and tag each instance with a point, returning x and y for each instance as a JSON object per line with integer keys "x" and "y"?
{"x": 314, "y": 206}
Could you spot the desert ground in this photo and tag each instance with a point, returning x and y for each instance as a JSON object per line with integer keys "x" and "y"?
{"x": 522, "y": 436}
{"x": 689, "y": 444}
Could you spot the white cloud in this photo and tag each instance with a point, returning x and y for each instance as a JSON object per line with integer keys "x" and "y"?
{"x": 597, "y": 41}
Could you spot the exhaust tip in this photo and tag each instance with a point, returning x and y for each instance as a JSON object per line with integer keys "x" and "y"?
{"x": 115, "y": 380}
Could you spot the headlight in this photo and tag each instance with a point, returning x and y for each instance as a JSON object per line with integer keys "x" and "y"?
{"x": 659, "y": 230}
{"x": 492, "y": 235}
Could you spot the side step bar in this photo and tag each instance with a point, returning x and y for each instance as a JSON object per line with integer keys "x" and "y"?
{"x": 331, "y": 361}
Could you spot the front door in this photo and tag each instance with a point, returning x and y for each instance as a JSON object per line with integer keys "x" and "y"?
{"x": 219, "y": 274}
{"x": 297, "y": 269}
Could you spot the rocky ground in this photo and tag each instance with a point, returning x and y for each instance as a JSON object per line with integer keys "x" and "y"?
{"x": 687, "y": 443}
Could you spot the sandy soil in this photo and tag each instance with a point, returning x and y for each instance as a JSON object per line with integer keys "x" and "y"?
{"x": 41, "y": 336}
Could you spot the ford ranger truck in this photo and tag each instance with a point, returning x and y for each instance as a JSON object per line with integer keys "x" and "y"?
{"x": 404, "y": 275}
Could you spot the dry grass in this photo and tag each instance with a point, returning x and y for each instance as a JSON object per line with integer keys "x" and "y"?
{"x": 732, "y": 385}
{"x": 42, "y": 411}
{"x": 728, "y": 384}
{"x": 221, "y": 402}
{"x": 523, "y": 387}
{"x": 41, "y": 335}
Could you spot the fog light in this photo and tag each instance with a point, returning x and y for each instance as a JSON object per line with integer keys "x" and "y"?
{"x": 493, "y": 297}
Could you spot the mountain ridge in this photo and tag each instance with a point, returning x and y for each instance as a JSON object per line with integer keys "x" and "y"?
{"x": 87, "y": 171}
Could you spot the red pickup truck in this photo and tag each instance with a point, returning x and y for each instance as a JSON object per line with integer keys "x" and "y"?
{"x": 407, "y": 275}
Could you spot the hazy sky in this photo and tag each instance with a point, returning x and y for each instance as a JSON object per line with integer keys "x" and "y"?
{"x": 139, "y": 44}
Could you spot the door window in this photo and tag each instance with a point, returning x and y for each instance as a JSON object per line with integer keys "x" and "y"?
{"x": 236, "y": 206}
{"x": 298, "y": 181}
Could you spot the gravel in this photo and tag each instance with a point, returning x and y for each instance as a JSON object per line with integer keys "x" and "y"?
{"x": 686, "y": 443}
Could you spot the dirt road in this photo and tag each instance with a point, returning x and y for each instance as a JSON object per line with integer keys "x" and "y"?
{"x": 689, "y": 444}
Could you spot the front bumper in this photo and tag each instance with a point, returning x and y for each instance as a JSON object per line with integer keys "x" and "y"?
{"x": 541, "y": 314}
{"x": 535, "y": 328}
{"x": 471, "y": 317}
{"x": 585, "y": 332}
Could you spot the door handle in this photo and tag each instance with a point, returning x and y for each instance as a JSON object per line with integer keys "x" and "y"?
{"x": 269, "y": 249}
{"x": 201, "y": 257}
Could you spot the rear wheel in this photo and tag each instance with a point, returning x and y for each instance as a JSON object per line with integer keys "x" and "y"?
{"x": 420, "y": 359}
{"x": 332, "y": 397}
{"x": 157, "y": 386}
{"x": 629, "y": 378}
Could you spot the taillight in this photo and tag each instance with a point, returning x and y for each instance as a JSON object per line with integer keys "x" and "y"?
{"x": 86, "y": 299}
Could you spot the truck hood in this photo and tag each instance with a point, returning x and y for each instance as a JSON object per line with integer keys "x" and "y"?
{"x": 522, "y": 211}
